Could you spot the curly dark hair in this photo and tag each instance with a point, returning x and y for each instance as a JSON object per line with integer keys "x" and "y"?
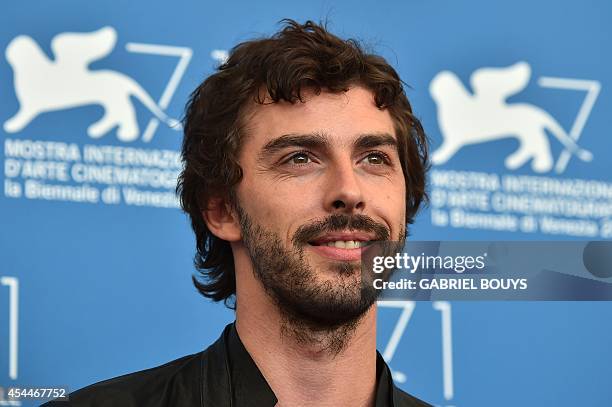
{"x": 298, "y": 57}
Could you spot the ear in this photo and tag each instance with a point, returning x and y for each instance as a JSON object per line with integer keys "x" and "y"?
{"x": 222, "y": 220}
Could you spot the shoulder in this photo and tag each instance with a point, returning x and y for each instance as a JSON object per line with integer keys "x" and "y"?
{"x": 165, "y": 385}
{"x": 403, "y": 399}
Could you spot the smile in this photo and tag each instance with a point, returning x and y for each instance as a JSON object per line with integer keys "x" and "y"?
{"x": 344, "y": 244}
{"x": 347, "y": 246}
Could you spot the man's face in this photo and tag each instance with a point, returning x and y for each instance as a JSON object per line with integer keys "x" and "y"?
{"x": 320, "y": 180}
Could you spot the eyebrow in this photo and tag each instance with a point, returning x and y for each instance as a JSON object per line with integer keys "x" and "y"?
{"x": 321, "y": 140}
{"x": 313, "y": 140}
{"x": 375, "y": 140}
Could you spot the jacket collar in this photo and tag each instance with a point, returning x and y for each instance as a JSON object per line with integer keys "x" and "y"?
{"x": 231, "y": 378}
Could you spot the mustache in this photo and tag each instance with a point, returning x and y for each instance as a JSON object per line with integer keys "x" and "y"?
{"x": 340, "y": 222}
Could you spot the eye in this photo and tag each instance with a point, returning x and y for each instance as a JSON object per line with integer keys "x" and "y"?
{"x": 377, "y": 158}
{"x": 300, "y": 158}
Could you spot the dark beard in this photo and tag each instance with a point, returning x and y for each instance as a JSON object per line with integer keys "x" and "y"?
{"x": 323, "y": 312}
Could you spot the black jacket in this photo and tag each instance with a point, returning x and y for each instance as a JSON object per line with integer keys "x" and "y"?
{"x": 224, "y": 375}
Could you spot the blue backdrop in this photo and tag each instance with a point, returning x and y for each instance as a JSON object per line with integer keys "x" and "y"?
{"x": 96, "y": 257}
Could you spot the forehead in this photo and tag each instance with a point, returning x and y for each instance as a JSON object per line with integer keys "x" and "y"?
{"x": 343, "y": 116}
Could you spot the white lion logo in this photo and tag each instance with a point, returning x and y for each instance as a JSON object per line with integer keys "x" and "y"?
{"x": 485, "y": 115}
{"x": 44, "y": 85}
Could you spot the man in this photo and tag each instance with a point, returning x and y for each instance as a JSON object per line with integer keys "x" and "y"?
{"x": 299, "y": 151}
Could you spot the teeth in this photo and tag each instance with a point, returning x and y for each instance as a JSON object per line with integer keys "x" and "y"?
{"x": 346, "y": 244}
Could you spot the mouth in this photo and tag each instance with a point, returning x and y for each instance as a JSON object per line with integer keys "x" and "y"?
{"x": 341, "y": 246}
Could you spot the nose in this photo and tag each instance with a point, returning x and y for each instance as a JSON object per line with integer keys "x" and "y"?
{"x": 344, "y": 193}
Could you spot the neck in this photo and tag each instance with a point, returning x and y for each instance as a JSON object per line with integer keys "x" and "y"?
{"x": 307, "y": 368}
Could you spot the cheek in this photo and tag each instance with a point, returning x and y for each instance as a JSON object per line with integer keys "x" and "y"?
{"x": 277, "y": 205}
{"x": 394, "y": 206}
{"x": 391, "y": 204}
